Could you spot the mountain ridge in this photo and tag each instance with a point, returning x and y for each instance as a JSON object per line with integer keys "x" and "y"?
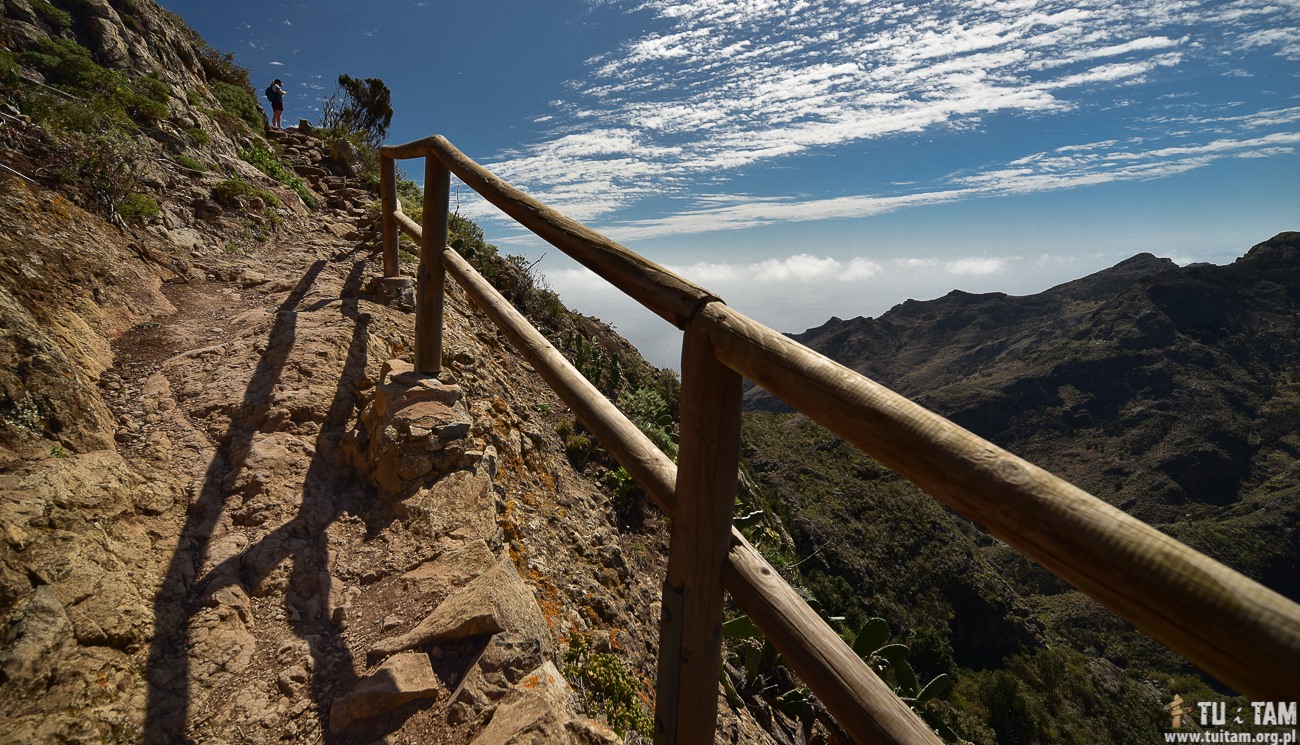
{"x": 1088, "y": 354}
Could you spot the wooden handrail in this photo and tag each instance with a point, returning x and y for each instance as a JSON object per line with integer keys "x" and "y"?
{"x": 1234, "y": 628}
{"x": 857, "y": 698}
{"x": 664, "y": 293}
{"x": 1243, "y": 633}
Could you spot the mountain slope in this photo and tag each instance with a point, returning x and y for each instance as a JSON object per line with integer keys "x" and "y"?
{"x": 1170, "y": 392}
{"x": 1158, "y": 388}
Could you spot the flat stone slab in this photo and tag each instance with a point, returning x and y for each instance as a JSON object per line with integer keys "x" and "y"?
{"x": 401, "y": 679}
{"x": 498, "y": 600}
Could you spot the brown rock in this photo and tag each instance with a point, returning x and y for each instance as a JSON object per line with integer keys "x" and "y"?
{"x": 452, "y": 569}
{"x": 497, "y": 601}
{"x": 346, "y": 154}
{"x": 505, "y": 661}
{"x": 42, "y": 629}
{"x": 403, "y": 678}
{"x": 415, "y": 427}
{"x": 537, "y": 710}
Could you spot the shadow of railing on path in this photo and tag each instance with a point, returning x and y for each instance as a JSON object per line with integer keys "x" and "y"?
{"x": 328, "y": 490}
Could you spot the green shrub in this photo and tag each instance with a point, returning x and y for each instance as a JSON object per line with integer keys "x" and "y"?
{"x": 233, "y": 192}
{"x": 221, "y": 68}
{"x": 57, "y": 19}
{"x": 145, "y": 100}
{"x": 192, "y": 164}
{"x": 608, "y": 687}
{"x": 153, "y": 87}
{"x": 227, "y": 122}
{"x": 360, "y": 107}
{"x": 68, "y": 65}
{"x": 267, "y": 163}
{"x": 138, "y": 208}
{"x": 650, "y": 414}
{"x": 238, "y": 100}
{"x": 104, "y": 94}
{"x": 98, "y": 164}
{"x": 8, "y": 68}
{"x": 199, "y": 135}
{"x": 411, "y": 196}
{"x": 1013, "y": 715}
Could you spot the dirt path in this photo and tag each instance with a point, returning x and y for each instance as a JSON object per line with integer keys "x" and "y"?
{"x": 295, "y": 540}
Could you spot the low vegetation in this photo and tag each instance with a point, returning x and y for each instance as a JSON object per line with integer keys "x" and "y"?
{"x": 264, "y": 161}
{"x": 102, "y": 125}
{"x": 607, "y": 687}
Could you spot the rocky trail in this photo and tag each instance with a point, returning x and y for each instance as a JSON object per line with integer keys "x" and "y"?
{"x": 297, "y": 539}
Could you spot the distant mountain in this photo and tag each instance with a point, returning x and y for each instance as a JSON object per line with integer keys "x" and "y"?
{"x": 1169, "y": 391}
{"x": 1172, "y": 392}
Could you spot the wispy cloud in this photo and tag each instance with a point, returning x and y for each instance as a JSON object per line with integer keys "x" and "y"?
{"x": 715, "y": 87}
{"x": 796, "y": 292}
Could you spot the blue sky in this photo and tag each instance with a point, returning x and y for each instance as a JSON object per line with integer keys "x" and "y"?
{"x": 810, "y": 158}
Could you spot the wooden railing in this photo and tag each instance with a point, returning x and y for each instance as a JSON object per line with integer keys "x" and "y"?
{"x": 1232, "y": 627}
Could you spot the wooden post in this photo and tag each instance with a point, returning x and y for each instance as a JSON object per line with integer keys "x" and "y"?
{"x": 690, "y": 639}
{"x": 429, "y": 284}
{"x": 388, "y": 201}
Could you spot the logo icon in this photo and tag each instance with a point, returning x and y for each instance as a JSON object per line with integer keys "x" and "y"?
{"x": 1177, "y": 711}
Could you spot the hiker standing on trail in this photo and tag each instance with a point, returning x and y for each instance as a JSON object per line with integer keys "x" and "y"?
{"x": 275, "y": 94}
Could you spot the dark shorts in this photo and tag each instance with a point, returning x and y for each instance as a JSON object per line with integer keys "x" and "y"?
{"x": 277, "y": 106}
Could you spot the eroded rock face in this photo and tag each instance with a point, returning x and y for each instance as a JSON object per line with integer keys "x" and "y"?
{"x": 497, "y": 601}
{"x": 536, "y": 711}
{"x": 59, "y": 308}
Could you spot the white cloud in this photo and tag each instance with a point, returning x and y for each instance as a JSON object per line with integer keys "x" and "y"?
{"x": 1285, "y": 40}
{"x": 975, "y": 266}
{"x": 814, "y": 288}
{"x": 797, "y": 269}
{"x": 713, "y": 88}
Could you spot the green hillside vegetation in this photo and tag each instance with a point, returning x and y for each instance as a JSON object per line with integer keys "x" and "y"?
{"x": 104, "y": 130}
{"x": 863, "y": 542}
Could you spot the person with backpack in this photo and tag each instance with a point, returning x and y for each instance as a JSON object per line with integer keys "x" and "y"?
{"x": 275, "y": 94}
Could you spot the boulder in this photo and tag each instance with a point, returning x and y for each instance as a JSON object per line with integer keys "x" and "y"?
{"x": 416, "y": 431}
{"x": 346, "y": 154}
{"x": 537, "y": 711}
{"x": 505, "y": 661}
{"x": 453, "y": 569}
{"x": 400, "y": 680}
{"x": 395, "y": 292}
{"x": 105, "y": 28}
{"x": 41, "y": 631}
{"x": 498, "y": 600}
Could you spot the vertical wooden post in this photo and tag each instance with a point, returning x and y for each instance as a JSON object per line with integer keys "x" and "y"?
{"x": 432, "y": 275}
{"x": 388, "y": 204}
{"x": 690, "y": 639}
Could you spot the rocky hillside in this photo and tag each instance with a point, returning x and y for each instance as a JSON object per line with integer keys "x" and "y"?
{"x": 229, "y": 512}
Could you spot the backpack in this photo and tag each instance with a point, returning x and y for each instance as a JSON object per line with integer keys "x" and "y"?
{"x": 270, "y": 91}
